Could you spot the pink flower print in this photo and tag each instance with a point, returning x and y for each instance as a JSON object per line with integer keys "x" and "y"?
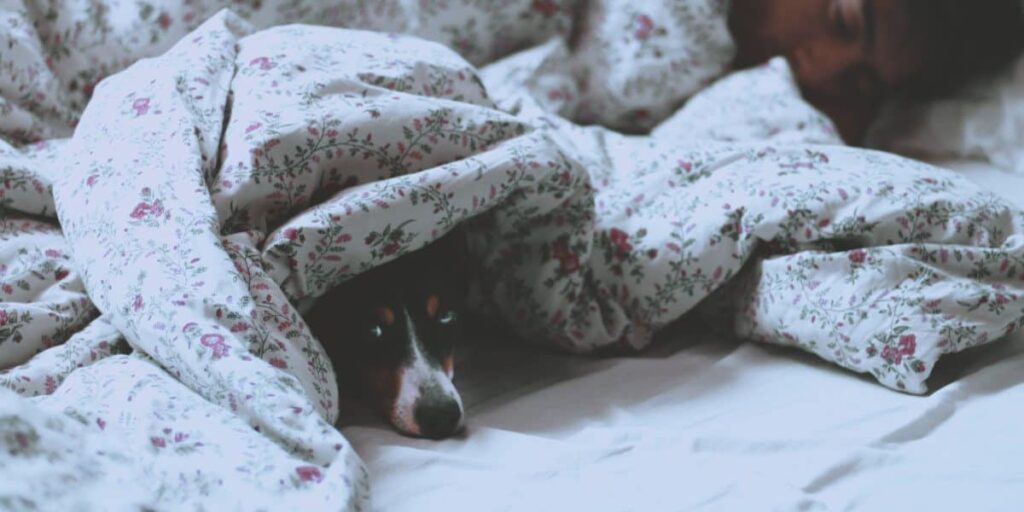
{"x": 620, "y": 239}
{"x": 180, "y": 436}
{"x": 91, "y": 180}
{"x": 570, "y": 263}
{"x": 101, "y": 423}
{"x": 141, "y": 106}
{"x": 892, "y": 355}
{"x": 143, "y": 209}
{"x": 158, "y": 208}
{"x": 60, "y": 274}
{"x": 3, "y": 318}
{"x": 8, "y": 289}
{"x": 164, "y": 20}
{"x": 137, "y": 303}
{"x": 215, "y": 342}
{"x": 918, "y": 366}
{"x": 546, "y": 8}
{"x": 560, "y": 249}
{"x": 908, "y": 344}
{"x": 263, "y": 63}
{"x": 51, "y": 384}
{"x": 291, "y": 233}
{"x": 391, "y": 248}
{"x": 857, "y": 257}
{"x": 52, "y": 253}
{"x": 158, "y": 442}
{"x": 253, "y": 127}
{"x": 278, "y": 363}
{"x": 309, "y": 473}
{"x": 644, "y": 27}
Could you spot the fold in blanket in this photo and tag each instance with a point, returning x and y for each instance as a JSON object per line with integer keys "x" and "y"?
{"x": 207, "y": 192}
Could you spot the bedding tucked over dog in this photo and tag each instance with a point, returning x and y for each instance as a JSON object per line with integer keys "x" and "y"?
{"x": 209, "y": 192}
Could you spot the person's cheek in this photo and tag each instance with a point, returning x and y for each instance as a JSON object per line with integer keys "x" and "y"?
{"x": 819, "y": 66}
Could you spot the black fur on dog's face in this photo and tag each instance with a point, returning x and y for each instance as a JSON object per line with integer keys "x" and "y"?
{"x": 391, "y": 332}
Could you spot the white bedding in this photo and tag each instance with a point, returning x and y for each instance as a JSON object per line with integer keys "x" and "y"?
{"x": 704, "y": 422}
{"x": 209, "y": 191}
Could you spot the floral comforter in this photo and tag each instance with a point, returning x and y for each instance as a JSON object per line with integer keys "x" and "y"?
{"x": 153, "y": 265}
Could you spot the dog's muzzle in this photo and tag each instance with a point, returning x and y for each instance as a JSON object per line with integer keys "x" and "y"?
{"x": 427, "y": 404}
{"x": 438, "y": 415}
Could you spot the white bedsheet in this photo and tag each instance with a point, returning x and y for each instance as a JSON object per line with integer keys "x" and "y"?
{"x": 702, "y": 422}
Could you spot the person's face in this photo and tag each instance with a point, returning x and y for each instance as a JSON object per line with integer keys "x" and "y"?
{"x": 838, "y": 49}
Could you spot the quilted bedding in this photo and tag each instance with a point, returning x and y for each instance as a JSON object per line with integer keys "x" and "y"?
{"x": 154, "y": 265}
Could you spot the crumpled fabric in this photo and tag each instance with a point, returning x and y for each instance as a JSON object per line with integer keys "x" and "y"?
{"x": 208, "y": 194}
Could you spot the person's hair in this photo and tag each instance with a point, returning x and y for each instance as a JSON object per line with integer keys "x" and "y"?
{"x": 965, "y": 39}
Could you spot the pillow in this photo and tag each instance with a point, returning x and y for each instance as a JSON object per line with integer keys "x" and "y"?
{"x": 760, "y": 104}
{"x": 984, "y": 121}
{"x": 636, "y": 62}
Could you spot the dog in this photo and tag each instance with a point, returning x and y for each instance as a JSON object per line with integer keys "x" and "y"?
{"x": 391, "y": 332}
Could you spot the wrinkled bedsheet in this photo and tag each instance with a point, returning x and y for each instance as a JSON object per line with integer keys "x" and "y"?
{"x": 209, "y": 194}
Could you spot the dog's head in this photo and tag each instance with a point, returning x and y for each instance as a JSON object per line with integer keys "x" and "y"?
{"x": 391, "y": 334}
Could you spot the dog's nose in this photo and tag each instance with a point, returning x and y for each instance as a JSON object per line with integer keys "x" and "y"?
{"x": 438, "y": 418}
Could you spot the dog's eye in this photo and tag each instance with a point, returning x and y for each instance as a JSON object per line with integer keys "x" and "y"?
{"x": 448, "y": 317}
{"x": 376, "y": 332}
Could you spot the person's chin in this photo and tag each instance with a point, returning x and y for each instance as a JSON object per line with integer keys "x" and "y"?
{"x": 753, "y": 51}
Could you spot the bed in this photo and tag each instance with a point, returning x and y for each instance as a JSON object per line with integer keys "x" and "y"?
{"x": 703, "y": 421}
{"x": 181, "y": 182}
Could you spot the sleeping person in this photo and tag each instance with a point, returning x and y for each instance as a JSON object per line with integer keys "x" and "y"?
{"x": 635, "y": 63}
{"x": 849, "y": 55}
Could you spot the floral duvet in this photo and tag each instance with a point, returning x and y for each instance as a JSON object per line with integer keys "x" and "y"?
{"x": 154, "y": 264}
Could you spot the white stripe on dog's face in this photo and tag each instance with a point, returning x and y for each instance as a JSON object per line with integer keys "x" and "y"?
{"x": 422, "y": 383}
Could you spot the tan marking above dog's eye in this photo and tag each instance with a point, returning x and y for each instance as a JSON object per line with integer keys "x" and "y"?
{"x": 433, "y": 304}
{"x": 386, "y": 315}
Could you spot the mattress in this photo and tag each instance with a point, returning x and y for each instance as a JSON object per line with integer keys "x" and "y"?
{"x": 706, "y": 422}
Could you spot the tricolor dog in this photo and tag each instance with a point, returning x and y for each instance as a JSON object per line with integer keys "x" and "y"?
{"x": 391, "y": 331}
